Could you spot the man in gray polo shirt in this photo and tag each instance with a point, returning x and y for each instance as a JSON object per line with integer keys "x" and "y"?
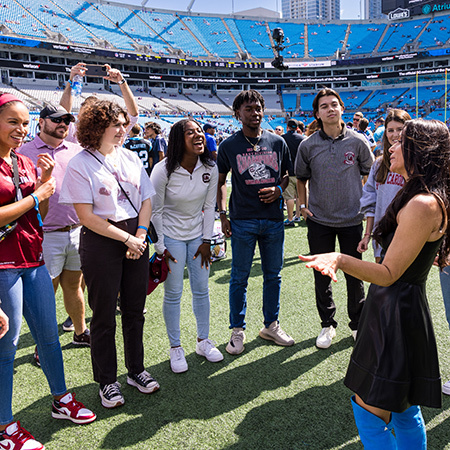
{"x": 333, "y": 160}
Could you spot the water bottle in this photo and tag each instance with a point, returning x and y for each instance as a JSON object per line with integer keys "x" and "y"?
{"x": 77, "y": 85}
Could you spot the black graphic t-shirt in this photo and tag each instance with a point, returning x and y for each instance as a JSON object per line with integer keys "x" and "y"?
{"x": 252, "y": 170}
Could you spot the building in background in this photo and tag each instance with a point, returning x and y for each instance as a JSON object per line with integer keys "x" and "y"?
{"x": 311, "y": 9}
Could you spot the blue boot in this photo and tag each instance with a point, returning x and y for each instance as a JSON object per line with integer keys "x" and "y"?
{"x": 373, "y": 431}
{"x": 409, "y": 428}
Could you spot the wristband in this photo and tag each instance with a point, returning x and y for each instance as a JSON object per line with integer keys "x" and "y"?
{"x": 122, "y": 81}
{"x": 302, "y": 206}
{"x": 366, "y": 234}
{"x": 126, "y": 240}
{"x": 70, "y": 82}
{"x": 36, "y": 207}
{"x": 207, "y": 241}
{"x": 281, "y": 190}
{"x": 224, "y": 211}
{"x": 143, "y": 228}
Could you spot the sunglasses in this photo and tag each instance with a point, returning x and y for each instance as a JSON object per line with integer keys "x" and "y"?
{"x": 66, "y": 120}
{"x": 356, "y": 119}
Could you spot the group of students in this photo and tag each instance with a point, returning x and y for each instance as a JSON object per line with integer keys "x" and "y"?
{"x": 394, "y": 366}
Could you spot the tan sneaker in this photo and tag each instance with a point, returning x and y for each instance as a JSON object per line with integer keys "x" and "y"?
{"x": 236, "y": 344}
{"x": 274, "y": 333}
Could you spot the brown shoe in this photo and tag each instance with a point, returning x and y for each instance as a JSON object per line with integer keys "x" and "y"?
{"x": 83, "y": 338}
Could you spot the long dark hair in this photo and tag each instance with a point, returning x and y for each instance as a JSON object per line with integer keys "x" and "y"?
{"x": 176, "y": 147}
{"x": 397, "y": 115}
{"x": 426, "y": 154}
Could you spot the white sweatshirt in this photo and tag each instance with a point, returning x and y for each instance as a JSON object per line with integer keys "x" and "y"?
{"x": 179, "y": 201}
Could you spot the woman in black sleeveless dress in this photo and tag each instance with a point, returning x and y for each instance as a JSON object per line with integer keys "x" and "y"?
{"x": 394, "y": 367}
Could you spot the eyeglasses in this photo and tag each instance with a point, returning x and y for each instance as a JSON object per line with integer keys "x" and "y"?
{"x": 66, "y": 120}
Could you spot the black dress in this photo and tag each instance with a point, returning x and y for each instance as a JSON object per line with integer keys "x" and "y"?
{"x": 394, "y": 363}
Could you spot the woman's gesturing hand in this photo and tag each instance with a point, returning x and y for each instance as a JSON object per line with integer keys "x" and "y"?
{"x": 325, "y": 263}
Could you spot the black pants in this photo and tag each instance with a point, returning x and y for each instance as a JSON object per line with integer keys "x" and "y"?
{"x": 107, "y": 272}
{"x": 322, "y": 239}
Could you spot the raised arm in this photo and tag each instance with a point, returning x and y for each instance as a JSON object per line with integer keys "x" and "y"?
{"x": 115, "y": 76}
{"x": 66, "y": 98}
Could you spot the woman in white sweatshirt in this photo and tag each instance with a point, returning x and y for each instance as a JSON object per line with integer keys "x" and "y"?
{"x": 183, "y": 214}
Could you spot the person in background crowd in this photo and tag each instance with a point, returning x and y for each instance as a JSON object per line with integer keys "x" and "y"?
{"x": 279, "y": 130}
{"x": 186, "y": 184}
{"x": 259, "y": 162}
{"x": 382, "y": 185}
{"x": 394, "y": 366}
{"x": 332, "y": 161}
{"x": 378, "y": 135}
{"x": 356, "y": 118}
{"x": 110, "y": 190}
{"x": 211, "y": 144}
{"x": 142, "y": 148}
{"x": 152, "y": 131}
{"x": 25, "y": 285}
{"x": 364, "y": 130}
{"x": 114, "y": 76}
{"x": 293, "y": 139}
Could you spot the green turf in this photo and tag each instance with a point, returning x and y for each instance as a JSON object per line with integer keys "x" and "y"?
{"x": 269, "y": 397}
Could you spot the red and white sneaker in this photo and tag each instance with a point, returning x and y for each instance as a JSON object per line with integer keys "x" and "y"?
{"x": 69, "y": 408}
{"x": 17, "y": 438}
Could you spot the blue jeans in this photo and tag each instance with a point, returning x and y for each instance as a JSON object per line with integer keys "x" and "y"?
{"x": 270, "y": 237}
{"x": 29, "y": 292}
{"x": 445, "y": 287}
{"x": 183, "y": 252}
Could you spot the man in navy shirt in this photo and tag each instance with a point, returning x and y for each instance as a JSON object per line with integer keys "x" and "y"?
{"x": 259, "y": 162}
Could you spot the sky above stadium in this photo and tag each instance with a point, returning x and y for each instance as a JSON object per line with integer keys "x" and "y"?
{"x": 348, "y": 9}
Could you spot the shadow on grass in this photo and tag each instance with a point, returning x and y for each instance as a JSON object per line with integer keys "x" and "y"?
{"x": 209, "y": 390}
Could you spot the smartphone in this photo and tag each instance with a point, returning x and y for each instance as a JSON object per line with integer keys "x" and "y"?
{"x": 93, "y": 70}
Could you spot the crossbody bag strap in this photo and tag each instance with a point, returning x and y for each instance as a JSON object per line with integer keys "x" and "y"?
{"x": 118, "y": 182}
{"x": 16, "y": 179}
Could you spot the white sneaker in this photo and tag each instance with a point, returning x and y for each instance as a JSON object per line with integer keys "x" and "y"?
{"x": 178, "y": 362}
{"x": 207, "y": 348}
{"x": 236, "y": 344}
{"x": 446, "y": 388}
{"x": 325, "y": 337}
{"x": 354, "y": 334}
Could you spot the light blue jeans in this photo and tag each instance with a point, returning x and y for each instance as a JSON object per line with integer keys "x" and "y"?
{"x": 29, "y": 292}
{"x": 445, "y": 287}
{"x": 183, "y": 252}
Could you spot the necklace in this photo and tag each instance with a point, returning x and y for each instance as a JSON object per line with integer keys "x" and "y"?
{"x": 256, "y": 147}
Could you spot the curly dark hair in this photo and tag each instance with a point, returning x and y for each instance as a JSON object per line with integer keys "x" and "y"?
{"x": 176, "y": 147}
{"x": 96, "y": 118}
{"x": 250, "y": 96}
{"x": 397, "y": 115}
{"x": 156, "y": 127}
{"x": 426, "y": 154}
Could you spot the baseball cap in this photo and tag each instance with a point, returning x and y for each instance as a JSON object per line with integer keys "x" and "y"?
{"x": 292, "y": 123}
{"x": 54, "y": 112}
{"x": 207, "y": 126}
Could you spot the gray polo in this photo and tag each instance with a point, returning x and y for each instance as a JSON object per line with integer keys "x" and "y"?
{"x": 333, "y": 168}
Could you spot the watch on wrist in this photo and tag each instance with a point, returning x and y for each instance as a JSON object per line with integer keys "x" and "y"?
{"x": 223, "y": 212}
